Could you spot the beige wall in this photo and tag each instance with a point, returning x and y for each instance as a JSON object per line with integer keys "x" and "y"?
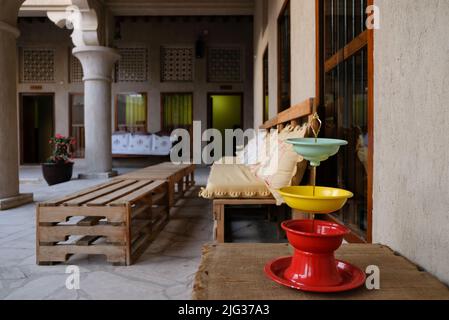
{"x": 154, "y": 35}
{"x": 303, "y": 53}
{"x": 47, "y": 35}
{"x": 411, "y": 157}
{"x": 151, "y": 35}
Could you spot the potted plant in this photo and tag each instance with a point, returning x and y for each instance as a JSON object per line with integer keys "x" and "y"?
{"x": 59, "y": 167}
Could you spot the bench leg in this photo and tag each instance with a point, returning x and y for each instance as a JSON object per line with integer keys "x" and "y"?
{"x": 219, "y": 217}
{"x": 171, "y": 193}
{"x": 192, "y": 179}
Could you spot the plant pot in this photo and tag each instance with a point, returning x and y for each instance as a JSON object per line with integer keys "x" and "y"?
{"x": 55, "y": 173}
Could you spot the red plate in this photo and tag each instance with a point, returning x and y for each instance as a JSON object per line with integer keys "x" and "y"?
{"x": 352, "y": 276}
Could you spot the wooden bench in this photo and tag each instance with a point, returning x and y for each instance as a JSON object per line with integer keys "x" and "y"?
{"x": 117, "y": 219}
{"x": 294, "y": 116}
{"x": 180, "y": 178}
{"x": 219, "y": 212}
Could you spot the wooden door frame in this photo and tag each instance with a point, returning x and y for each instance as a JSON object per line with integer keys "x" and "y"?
{"x": 32, "y": 94}
{"x": 367, "y": 40}
{"x": 210, "y": 111}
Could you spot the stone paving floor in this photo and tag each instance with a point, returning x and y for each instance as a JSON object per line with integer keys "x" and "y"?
{"x": 165, "y": 271}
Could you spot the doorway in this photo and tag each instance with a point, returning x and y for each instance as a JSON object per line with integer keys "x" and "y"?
{"x": 225, "y": 111}
{"x": 36, "y": 127}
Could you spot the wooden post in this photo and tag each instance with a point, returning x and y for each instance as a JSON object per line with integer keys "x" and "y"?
{"x": 219, "y": 218}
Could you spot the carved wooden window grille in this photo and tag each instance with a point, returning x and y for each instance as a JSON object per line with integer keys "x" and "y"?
{"x": 224, "y": 65}
{"x": 177, "y": 64}
{"x": 76, "y": 70}
{"x": 133, "y": 65}
{"x": 37, "y": 65}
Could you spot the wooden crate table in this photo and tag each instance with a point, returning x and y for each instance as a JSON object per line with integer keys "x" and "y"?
{"x": 117, "y": 219}
{"x": 236, "y": 272}
{"x": 182, "y": 176}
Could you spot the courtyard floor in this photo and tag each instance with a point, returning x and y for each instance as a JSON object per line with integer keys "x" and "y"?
{"x": 165, "y": 271}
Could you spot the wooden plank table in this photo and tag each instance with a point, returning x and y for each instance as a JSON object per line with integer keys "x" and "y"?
{"x": 182, "y": 175}
{"x": 118, "y": 219}
{"x": 235, "y": 272}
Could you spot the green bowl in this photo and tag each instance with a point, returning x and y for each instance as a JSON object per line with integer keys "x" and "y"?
{"x": 317, "y": 150}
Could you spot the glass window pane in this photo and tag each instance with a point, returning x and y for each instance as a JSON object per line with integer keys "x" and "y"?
{"x": 77, "y": 124}
{"x": 344, "y": 20}
{"x": 266, "y": 108}
{"x": 345, "y": 111}
{"x": 284, "y": 59}
{"x": 345, "y": 108}
{"x": 177, "y": 111}
{"x": 131, "y": 112}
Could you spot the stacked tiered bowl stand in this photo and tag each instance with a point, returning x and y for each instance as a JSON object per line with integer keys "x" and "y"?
{"x": 313, "y": 266}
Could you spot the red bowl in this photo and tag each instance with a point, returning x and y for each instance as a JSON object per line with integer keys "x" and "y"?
{"x": 315, "y": 242}
{"x": 314, "y": 236}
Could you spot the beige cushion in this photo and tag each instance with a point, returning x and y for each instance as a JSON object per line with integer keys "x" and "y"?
{"x": 228, "y": 160}
{"x": 234, "y": 181}
{"x": 254, "y": 152}
{"x": 277, "y": 172}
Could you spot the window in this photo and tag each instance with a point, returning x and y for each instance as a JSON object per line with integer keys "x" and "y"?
{"x": 266, "y": 107}
{"x": 132, "y": 66}
{"x": 284, "y": 87}
{"x": 345, "y": 106}
{"x": 37, "y": 65}
{"x": 177, "y": 111}
{"x": 76, "y": 69}
{"x": 224, "y": 64}
{"x": 77, "y": 124}
{"x": 131, "y": 112}
{"x": 177, "y": 64}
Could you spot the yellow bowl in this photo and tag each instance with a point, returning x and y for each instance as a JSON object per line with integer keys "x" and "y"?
{"x": 326, "y": 200}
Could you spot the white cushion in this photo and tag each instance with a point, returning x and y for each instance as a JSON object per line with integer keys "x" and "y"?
{"x": 254, "y": 152}
{"x": 120, "y": 143}
{"x": 278, "y": 170}
{"x": 139, "y": 144}
{"x": 161, "y": 145}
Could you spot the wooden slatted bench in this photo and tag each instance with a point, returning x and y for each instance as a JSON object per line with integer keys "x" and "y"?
{"x": 180, "y": 178}
{"x": 118, "y": 219}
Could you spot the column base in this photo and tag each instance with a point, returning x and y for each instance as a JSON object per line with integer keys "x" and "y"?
{"x": 16, "y": 201}
{"x": 97, "y": 175}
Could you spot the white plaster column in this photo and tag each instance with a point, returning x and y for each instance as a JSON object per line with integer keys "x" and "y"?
{"x": 97, "y": 65}
{"x": 9, "y": 140}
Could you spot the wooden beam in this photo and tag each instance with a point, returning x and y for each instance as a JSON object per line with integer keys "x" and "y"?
{"x": 294, "y": 113}
{"x": 348, "y": 51}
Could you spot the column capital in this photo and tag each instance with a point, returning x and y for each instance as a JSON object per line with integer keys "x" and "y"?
{"x": 83, "y": 22}
{"x": 97, "y": 61}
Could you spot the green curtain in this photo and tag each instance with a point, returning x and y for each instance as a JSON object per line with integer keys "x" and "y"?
{"x": 177, "y": 111}
{"x": 135, "y": 109}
